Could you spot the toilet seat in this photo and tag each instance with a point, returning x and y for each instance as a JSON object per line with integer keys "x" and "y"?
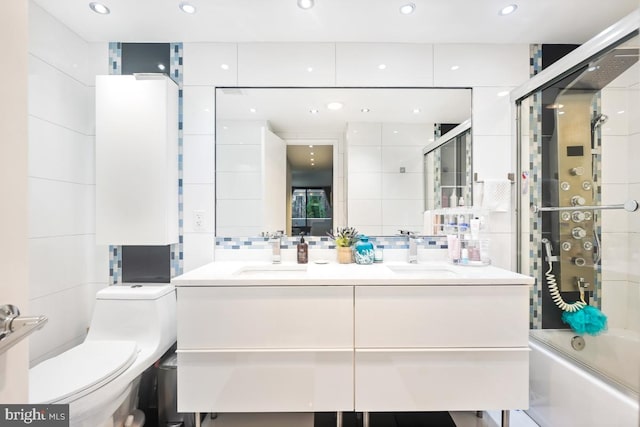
{"x": 80, "y": 370}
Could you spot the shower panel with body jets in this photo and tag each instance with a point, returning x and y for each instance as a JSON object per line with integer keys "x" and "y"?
{"x": 570, "y": 190}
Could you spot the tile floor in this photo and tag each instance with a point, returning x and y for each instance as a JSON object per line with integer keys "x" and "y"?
{"x": 462, "y": 419}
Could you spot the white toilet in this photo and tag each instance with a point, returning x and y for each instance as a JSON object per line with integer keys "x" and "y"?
{"x": 131, "y": 328}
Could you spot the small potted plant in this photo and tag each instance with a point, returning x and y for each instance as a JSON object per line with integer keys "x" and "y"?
{"x": 345, "y": 238}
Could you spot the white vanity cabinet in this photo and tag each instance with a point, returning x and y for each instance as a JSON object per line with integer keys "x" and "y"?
{"x": 265, "y": 349}
{"x": 349, "y": 337}
{"x": 433, "y": 348}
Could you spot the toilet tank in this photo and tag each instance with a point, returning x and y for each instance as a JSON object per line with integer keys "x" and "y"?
{"x": 142, "y": 313}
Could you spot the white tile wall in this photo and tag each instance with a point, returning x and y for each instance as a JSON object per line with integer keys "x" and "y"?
{"x": 365, "y": 159}
{"x": 394, "y": 158}
{"x": 239, "y": 185}
{"x": 615, "y": 298}
{"x": 615, "y": 104}
{"x": 58, "y": 97}
{"x": 402, "y": 186}
{"x": 286, "y": 64}
{"x": 203, "y": 64}
{"x": 491, "y": 112}
{"x": 198, "y": 107}
{"x": 407, "y": 64}
{"x": 58, "y": 46}
{"x": 492, "y": 156}
{"x": 198, "y": 249}
{"x": 364, "y": 134}
{"x": 480, "y": 64}
{"x": 198, "y": 159}
{"x": 401, "y": 134}
{"x": 198, "y": 197}
{"x": 363, "y": 186}
{"x": 65, "y": 266}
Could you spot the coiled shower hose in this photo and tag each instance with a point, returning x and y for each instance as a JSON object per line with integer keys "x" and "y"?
{"x": 553, "y": 286}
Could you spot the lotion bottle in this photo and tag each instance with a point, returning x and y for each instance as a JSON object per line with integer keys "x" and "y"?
{"x": 303, "y": 251}
{"x": 453, "y": 200}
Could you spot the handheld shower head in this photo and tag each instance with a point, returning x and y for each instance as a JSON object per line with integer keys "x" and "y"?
{"x": 598, "y": 120}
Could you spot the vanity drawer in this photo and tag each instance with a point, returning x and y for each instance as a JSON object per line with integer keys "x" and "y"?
{"x": 255, "y": 317}
{"x": 441, "y": 316}
{"x": 441, "y": 379}
{"x": 265, "y": 381}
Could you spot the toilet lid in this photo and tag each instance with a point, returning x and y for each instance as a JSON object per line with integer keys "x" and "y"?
{"x": 80, "y": 370}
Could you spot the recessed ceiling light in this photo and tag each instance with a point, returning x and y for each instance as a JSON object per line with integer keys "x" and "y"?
{"x": 99, "y": 8}
{"x": 334, "y": 105}
{"x": 593, "y": 68}
{"x": 187, "y": 7}
{"x": 455, "y": 67}
{"x": 224, "y": 66}
{"x": 503, "y": 93}
{"x": 309, "y": 69}
{"x": 225, "y": 127}
{"x": 395, "y": 131}
{"x": 416, "y": 111}
{"x": 312, "y": 160}
{"x": 313, "y": 164}
{"x": 407, "y": 9}
{"x": 621, "y": 112}
{"x": 382, "y": 66}
{"x": 305, "y": 4}
{"x": 206, "y": 110}
{"x": 311, "y": 146}
{"x": 365, "y": 110}
{"x": 161, "y": 67}
{"x": 311, "y": 153}
{"x": 313, "y": 111}
{"x": 253, "y": 110}
{"x": 507, "y": 10}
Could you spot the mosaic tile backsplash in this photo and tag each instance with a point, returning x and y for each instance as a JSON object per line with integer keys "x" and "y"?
{"x": 318, "y": 242}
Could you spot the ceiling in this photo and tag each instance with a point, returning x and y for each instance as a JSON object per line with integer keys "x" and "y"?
{"x": 434, "y": 21}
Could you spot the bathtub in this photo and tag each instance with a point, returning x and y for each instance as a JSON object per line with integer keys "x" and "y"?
{"x": 565, "y": 392}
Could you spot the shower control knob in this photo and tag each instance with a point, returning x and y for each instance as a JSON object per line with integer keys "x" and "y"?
{"x": 565, "y": 216}
{"x": 577, "y": 171}
{"x": 578, "y": 201}
{"x": 579, "y": 233}
{"x": 565, "y": 246}
{"x": 586, "y": 185}
{"x": 588, "y": 216}
{"x": 578, "y": 216}
{"x": 580, "y": 262}
{"x": 565, "y": 186}
{"x": 588, "y": 246}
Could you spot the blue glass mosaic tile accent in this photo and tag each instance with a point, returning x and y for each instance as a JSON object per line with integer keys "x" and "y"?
{"x": 316, "y": 242}
{"x": 176, "y": 73}
{"x": 535, "y": 192}
{"x": 115, "y": 252}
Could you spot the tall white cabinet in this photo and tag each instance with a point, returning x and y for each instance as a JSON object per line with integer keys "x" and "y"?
{"x": 136, "y": 160}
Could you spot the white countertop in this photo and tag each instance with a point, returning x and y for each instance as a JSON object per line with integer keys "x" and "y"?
{"x": 256, "y": 273}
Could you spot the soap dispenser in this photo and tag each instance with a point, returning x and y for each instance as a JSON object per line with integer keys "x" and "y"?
{"x": 303, "y": 251}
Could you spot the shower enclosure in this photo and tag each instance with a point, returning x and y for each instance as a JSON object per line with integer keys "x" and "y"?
{"x": 578, "y": 220}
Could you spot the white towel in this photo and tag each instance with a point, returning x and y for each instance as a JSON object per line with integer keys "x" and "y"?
{"x": 427, "y": 227}
{"x": 496, "y": 195}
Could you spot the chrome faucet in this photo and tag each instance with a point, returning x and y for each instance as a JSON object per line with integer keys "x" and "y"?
{"x": 413, "y": 246}
{"x": 276, "y": 240}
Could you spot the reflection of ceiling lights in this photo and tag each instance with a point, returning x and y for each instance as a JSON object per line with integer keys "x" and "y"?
{"x": 455, "y": 67}
{"x": 99, "y": 8}
{"x": 311, "y": 153}
{"x": 503, "y": 93}
{"x": 161, "y": 67}
{"x": 313, "y": 111}
{"x": 407, "y": 9}
{"x": 311, "y": 146}
{"x": 395, "y": 131}
{"x": 621, "y": 112}
{"x": 507, "y": 10}
{"x": 334, "y": 105}
{"x": 224, "y": 66}
{"x": 593, "y": 68}
{"x": 309, "y": 69}
{"x": 554, "y": 106}
{"x": 382, "y": 66}
{"x": 305, "y": 4}
{"x": 253, "y": 110}
{"x": 187, "y": 7}
{"x": 416, "y": 111}
{"x": 365, "y": 110}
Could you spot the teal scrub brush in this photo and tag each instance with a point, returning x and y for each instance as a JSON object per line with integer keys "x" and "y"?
{"x": 581, "y": 317}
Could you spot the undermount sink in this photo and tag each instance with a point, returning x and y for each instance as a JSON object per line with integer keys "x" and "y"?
{"x": 417, "y": 270}
{"x": 274, "y": 269}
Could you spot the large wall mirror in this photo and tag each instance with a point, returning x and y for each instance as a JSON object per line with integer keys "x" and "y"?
{"x": 311, "y": 159}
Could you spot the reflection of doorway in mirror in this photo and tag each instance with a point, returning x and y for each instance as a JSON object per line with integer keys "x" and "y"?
{"x": 310, "y": 187}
